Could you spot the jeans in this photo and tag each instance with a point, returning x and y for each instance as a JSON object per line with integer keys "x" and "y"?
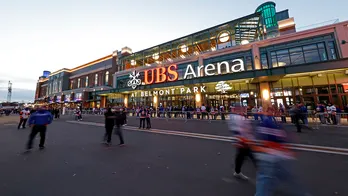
{"x": 271, "y": 173}
{"x": 34, "y": 131}
{"x": 118, "y": 131}
{"x": 148, "y": 123}
{"x": 142, "y": 122}
{"x": 256, "y": 117}
{"x": 22, "y": 122}
{"x": 240, "y": 156}
{"x": 108, "y": 133}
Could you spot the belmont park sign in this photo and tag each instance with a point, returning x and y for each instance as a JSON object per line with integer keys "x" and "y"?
{"x": 170, "y": 74}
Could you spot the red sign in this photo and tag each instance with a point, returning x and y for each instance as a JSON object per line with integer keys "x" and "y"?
{"x": 161, "y": 74}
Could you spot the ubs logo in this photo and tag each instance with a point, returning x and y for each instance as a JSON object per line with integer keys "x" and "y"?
{"x": 134, "y": 81}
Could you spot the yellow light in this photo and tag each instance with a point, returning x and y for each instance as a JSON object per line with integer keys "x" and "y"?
{"x": 133, "y": 62}
{"x": 183, "y": 48}
{"x": 198, "y": 97}
{"x": 155, "y": 99}
{"x": 155, "y": 56}
{"x": 265, "y": 94}
{"x": 224, "y": 37}
{"x": 244, "y": 42}
{"x": 125, "y": 101}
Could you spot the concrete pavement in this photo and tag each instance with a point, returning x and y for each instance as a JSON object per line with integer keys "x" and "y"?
{"x": 75, "y": 163}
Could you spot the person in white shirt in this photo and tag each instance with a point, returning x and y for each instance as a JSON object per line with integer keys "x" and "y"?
{"x": 23, "y": 116}
{"x": 333, "y": 114}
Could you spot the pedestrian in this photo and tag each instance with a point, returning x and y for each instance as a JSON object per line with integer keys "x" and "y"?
{"x": 124, "y": 116}
{"x": 273, "y": 160}
{"x": 38, "y": 122}
{"x": 23, "y": 117}
{"x": 109, "y": 125}
{"x": 142, "y": 118}
{"x": 242, "y": 129}
{"x": 297, "y": 116}
{"x": 148, "y": 120}
{"x": 118, "y": 126}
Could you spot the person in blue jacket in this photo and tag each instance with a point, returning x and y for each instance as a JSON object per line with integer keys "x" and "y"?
{"x": 38, "y": 121}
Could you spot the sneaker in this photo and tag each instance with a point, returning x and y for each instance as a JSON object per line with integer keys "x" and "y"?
{"x": 240, "y": 176}
{"x": 121, "y": 145}
{"x": 108, "y": 143}
{"x": 42, "y": 147}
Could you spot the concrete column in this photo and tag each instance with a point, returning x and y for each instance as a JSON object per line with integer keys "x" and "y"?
{"x": 103, "y": 102}
{"x": 265, "y": 95}
{"x": 256, "y": 55}
{"x": 155, "y": 102}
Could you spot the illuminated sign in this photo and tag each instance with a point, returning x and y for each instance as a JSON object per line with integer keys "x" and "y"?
{"x": 159, "y": 75}
{"x": 134, "y": 80}
{"x": 222, "y": 87}
{"x": 211, "y": 69}
{"x": 170, "y": 74}
{"x": 172, "y": 91}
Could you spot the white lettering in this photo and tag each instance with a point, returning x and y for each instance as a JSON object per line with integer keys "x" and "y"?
{"x": 142, "y": 94}
{"x": 203, "y": 89}
{"x": 192, "y": 72}
{"x": 155, "y": 93}
{"x": 195, "y": 89}
{"x": 223, "y": 63}
{"x": 199, "y": 70}
{"x": 173, "y": 91}
{"x": 150, "y": 93}
{"x": 132, "y": 95}
{"x": 167, "y": 92}
{"x": 209, "y": 67}
{"x": 161, "y": 92}
{"x": 146, "y": 93}
{"x": 234, "y": 68}
{"x": 188, "y": 91}
{"x": 182, "y": 90}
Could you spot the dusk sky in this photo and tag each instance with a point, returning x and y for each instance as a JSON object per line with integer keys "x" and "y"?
{"x": 40, "y": 35}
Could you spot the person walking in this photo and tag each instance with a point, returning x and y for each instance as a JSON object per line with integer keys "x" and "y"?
{"x": 23, "y": 117}
{"x": 118, "y": 126}
{"x": 242, "y": 129}
{"x": 109, "y": 125}
{"x": 39, "y": 121}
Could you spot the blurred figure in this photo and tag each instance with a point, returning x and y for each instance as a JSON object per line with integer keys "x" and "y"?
{"x": 39, "y": 121}
{"x": 254, "y": 111}
{"x": 148, "y": 120}
{"x": 23, "y": 117}
{"x": 242, "y": 130}
{"x": 118, "y": 125}
{"x": 142, "y": 118}
{"x": 274, "y": 159}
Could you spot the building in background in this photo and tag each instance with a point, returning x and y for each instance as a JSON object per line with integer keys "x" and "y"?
{"x": 259, "y": 59}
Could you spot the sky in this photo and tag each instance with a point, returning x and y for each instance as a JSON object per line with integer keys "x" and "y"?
{"x": 40, "y": 35}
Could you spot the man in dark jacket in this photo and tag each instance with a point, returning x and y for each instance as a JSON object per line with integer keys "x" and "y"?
{"x": 109, "y": 125}
{"x": 39, "y": 121}
{"x": 119, "y": 121}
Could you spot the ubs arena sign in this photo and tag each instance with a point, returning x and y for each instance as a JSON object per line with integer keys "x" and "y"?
{"x": 170, "y": 74}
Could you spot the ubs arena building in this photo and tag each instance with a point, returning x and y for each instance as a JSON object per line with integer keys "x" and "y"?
{"x": 254, "y": 60}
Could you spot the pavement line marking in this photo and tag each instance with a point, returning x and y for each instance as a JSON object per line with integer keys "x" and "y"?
{"x": 10, "y": 124}
{"x": 302, "y": 147}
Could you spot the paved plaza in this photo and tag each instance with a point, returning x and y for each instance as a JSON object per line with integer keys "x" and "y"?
{"x": 152, "y": 163}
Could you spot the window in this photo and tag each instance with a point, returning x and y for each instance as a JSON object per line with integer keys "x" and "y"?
{"x": 264, "y": 61}
{"x": 311, "y": 53}
{"x": 296, "y": 56}
{"x": 107, "y": 78}
{"x": 86, "y": 82}
{"x": 332, "y": 50}
{"x": 96, "y": 80}
{"x": 71, "y": 84}
{"x": 283, "y": 58}
{"x": 249, "y": 64}
{"x": 322, "y": 52}
{"x": 78, "y": 83}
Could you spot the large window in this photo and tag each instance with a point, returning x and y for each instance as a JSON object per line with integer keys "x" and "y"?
{"x": 299, "y": 55}
{"x": 107, "y": 78}
{"x": 96, "y": 80}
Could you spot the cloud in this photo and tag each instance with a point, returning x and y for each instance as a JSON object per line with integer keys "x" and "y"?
{"x": 17, "y": 94}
